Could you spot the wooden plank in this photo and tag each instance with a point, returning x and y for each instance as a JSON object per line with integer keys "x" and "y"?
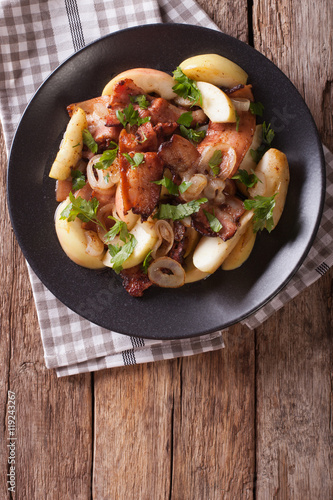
{"x": 53, "y": 451}
{"x": 294, "y": 348}
{"x": 213, "y": 431}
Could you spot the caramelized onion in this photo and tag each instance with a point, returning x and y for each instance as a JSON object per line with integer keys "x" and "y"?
{"x": 158, "y": 273}
{"x": 95, "y": 247}
{"x": 241, "y": 103}
{"x": 102, "y": 180}
{"x": 214, "y": 191}
{"x": 165, "y": 240}
{"x": 198, "y": 184}
{"x": 228, "y": 159}
{"x": 103, "y": 214}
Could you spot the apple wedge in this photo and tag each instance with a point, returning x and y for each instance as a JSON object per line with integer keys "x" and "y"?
{"x": 211, "y": 252}
{"x": 71, "y": 146}
{"x": 215, "y": 69}
{"x": 150, "y": 80}
{"x": 146, "y": 238}
{"x": 216, "y": 104}
{"x": 242, "y": 250}
{"x": 273, "y": 172}
{"x": 72, "y": 239}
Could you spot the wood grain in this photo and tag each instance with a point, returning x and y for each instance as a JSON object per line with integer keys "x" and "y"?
{"x": 53, "y": 417}
{"x": 294, "y": 349}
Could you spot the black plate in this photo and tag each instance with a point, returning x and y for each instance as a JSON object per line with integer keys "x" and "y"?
{"x": 224, "y": 298}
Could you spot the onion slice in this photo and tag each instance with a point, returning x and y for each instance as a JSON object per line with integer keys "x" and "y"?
{"x": 95, "y": 247}
{"x": 165, "y": 240}
{"x": 241, "y": 103}
{"x": 158, "y": 273}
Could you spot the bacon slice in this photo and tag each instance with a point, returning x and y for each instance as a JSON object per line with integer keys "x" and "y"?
{"x": 135, "y": 281}
{"x": 162, "y": 111}
{"x": 179, "y": 155}
{"x": 138, "y": 190}
{"x": 177, "y": 250}
{"x": 228, "y": 214}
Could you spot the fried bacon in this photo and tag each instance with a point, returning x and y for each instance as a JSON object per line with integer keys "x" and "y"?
{"x": 177, "y": 250}
{"x": 228, "y": 214}
{"x": 135, "y": 281}
{"x": 179, "y": 155}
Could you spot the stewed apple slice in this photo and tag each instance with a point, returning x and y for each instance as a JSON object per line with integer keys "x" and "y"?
{"x": 216, "y": 104}
{"x": 150, "y": 80}
{"x": 215, "y": 69}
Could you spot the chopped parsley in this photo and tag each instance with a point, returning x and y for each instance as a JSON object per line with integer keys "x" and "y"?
{"x": 267, "y": 138}
{"x": 237, "y": 120}
{"x": 79, "y": 180}
{"x": 192, "y": 134}
{"x": 130, "y": 116}
{"x": 83, "y": 209}
{"x": 141, "y": 100}
{"x": 178, "y": 212}
{"x": 119, "y": 254}
{"x": 172, "y": 187}
{"x": 263, "y": 212}
{"x": 214, "y": 162}
{"x": 120, "y": 228}
{"x": 186, "y": 88}
{"x": 136, "y": 160}
{"x": 147, "y": 261}
{"x": 89, "y": 141}
{"x": 214, "y": 223}
{"x": 185, "y": 119}
{"x": 249, "y": 180}
{"x": 107, "y": 158}
{"x": 257, "y": 108}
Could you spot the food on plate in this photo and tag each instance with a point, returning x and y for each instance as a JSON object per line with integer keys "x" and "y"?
{"x": 165, "y": 179}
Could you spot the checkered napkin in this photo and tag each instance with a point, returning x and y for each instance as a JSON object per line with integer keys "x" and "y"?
{"x": 35, "y": 37}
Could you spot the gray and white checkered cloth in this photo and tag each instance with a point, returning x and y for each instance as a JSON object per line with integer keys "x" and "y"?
{"x": 35, "y": 37}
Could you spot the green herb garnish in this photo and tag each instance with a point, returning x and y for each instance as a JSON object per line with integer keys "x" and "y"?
{"x": 186, "y": 87}
{"x": 172, "y": 187}
{"x": 83, "y": 209}
{"x": 79, "y": 180}
{"x": 249, "y": 180}
{"x": 237, "y": 120}
{"x": 214, "y": 223}
{"x": 131, "y": 116}
{"x": 263, "y": 212}
{"x": 267, "y": 138}
{"x": 215, "y": 161}
{"x": 185, "y": 119}
{"x": 257, "y": 108}
{"x": 147, "y": 261}
{"x": 119, "y": 254}
{"x": 141, "y": 100}
{"x": 89, "y": 141}
{"x": 120, "y": 228}
{"x": 107, "y": 158}
{"x": 136, "y": 160}
{"x": 177, "y": 212}
{"x": 192, "y": 134}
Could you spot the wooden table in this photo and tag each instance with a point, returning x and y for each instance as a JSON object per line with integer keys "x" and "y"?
{"x": 251, "y": 421}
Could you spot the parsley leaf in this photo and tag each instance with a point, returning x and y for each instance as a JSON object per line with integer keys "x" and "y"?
{"x": 257, "y": 108}
{"x": 141, "y": 100}
{"x": 214, "y": 223}
{"x": 267, "y": 138}
{"x": 263, "y": 212}
{"x": 249, "y": 180}
{"x": 172, "y": 187}
{"x": 89, "y": 141}
{"x": 120, "y": 228}
{"x": 130, "y": 116}
{"x": 192, "y": 134}
{"x": 186, "y": 88}
{"x": 83, "y": 209}
{"x": 119, "y": 254}
{"x": 79, "y": 179}
{"x": 137, "y": 159}
{"x": 107, "y": 158}
{"x": 185, "y": 119}
{"x": 215, "y": 161}
{"x": 147, "y": 261}
{"x": 177, "y": 212}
